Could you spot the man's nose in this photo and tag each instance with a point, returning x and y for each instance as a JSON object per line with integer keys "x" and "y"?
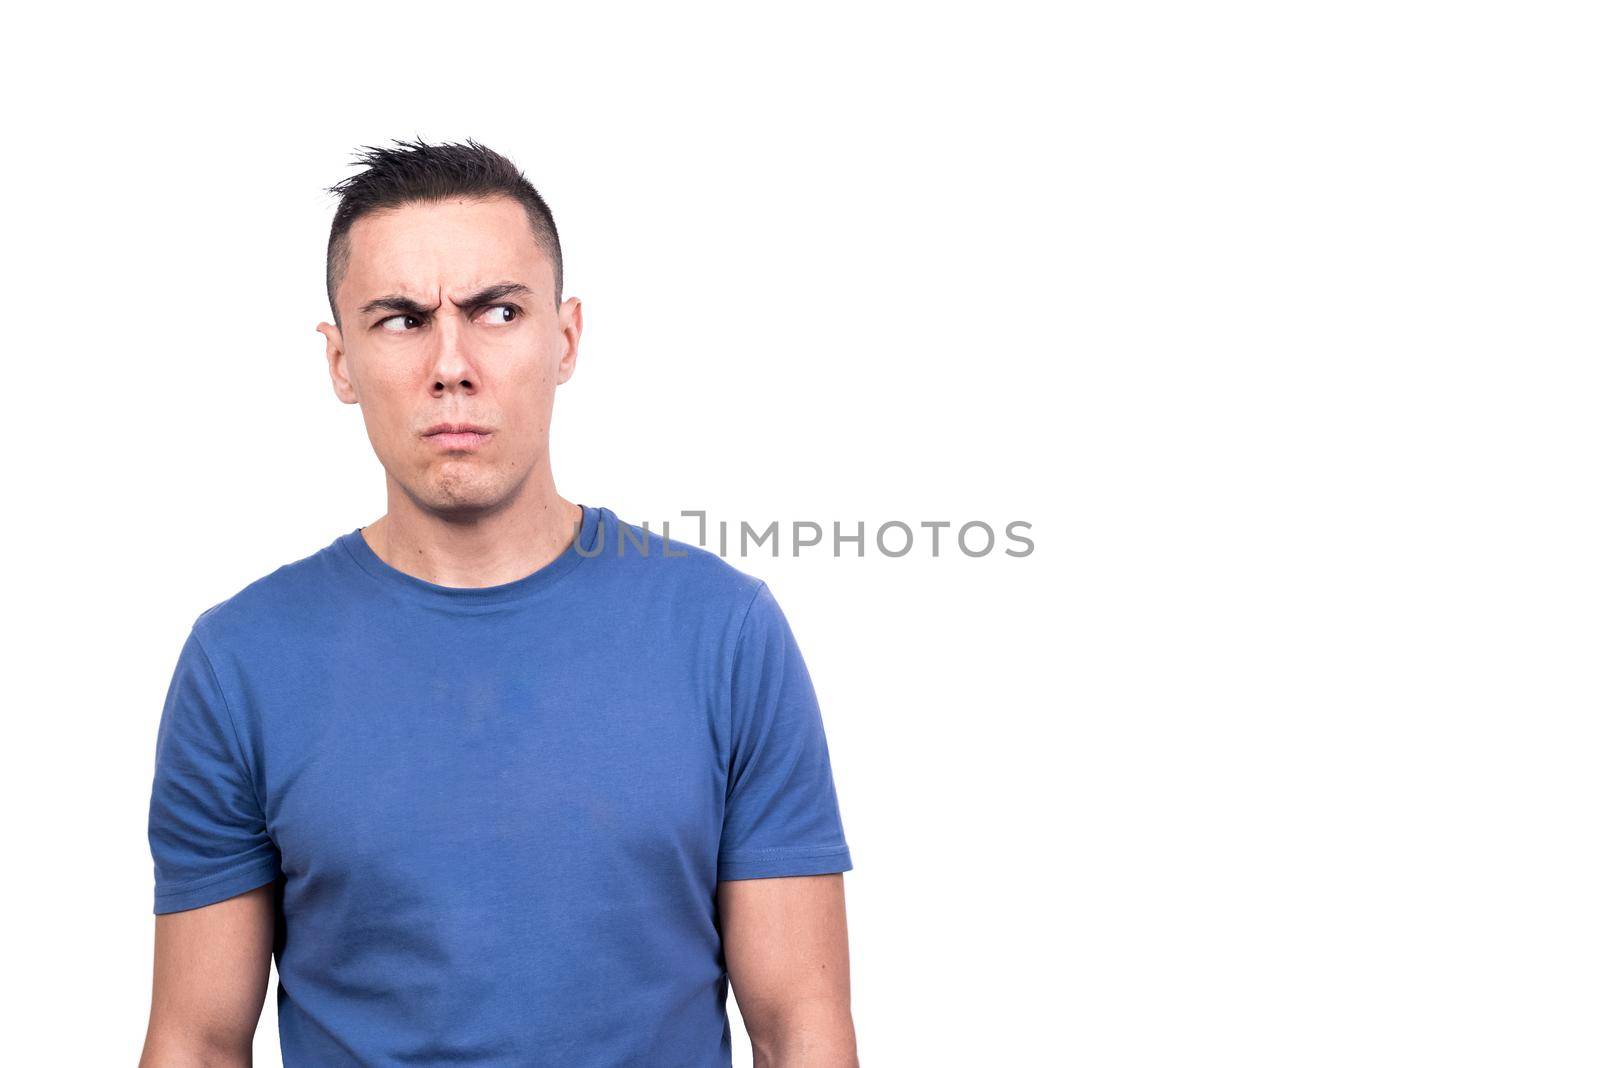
{"x": 452, "y": 363}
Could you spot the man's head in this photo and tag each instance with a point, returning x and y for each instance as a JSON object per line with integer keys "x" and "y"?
{"x": 444, "y": 277}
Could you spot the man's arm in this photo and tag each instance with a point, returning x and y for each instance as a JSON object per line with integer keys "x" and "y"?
{"x": 211, "y": 970}
{"x": 788, "y": 958}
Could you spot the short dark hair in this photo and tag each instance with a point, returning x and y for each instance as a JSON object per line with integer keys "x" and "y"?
{"x": 412, "y": 171}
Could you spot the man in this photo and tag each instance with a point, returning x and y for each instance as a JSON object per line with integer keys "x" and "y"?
{"x": 498, "y": 778}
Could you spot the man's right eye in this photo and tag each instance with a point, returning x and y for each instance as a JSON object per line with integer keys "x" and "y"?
{"x": 396, "y": 318}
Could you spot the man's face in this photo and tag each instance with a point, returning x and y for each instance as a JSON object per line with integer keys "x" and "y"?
{"x": 432, "y": 335}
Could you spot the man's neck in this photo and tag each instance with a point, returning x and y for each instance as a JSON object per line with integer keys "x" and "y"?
{"x": 487, "y": 550}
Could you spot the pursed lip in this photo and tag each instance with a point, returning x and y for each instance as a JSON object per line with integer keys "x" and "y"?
{"x": 457, "y": 437}
{"x": 455, "y": 428}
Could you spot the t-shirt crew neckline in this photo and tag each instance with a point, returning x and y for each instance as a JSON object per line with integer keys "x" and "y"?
{"x": 422, "y": 591}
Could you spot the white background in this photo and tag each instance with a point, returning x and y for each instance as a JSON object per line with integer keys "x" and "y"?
{"x": 1276, "y": 321}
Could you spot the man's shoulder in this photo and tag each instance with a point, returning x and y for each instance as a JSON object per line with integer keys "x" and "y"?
{"x": 681, "y": 569}
{"x": 286, "y": 595}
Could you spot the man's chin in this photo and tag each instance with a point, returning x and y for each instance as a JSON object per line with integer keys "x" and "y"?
{"x": 453, "y": 495}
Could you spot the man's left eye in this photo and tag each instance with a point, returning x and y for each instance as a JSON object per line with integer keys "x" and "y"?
{"x": 509, "y": 309}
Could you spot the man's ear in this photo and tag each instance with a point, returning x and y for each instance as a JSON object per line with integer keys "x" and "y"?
{"x": 570, "y": 315}
{"x": 338, "y": 369}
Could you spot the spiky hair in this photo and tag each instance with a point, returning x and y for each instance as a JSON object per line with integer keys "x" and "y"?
{"x": 412, "y": 171}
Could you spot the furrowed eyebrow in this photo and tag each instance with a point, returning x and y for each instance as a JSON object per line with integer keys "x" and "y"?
{"x": 493, "y": 293}
{"x": 398, "y": 304}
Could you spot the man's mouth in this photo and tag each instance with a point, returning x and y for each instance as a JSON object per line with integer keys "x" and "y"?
{"x": 457, "y": 436}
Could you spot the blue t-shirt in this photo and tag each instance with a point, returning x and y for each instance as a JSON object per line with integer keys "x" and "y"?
{"x": 499, "y": 814}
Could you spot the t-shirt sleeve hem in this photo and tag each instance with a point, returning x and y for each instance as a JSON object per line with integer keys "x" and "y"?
{"x": 209, "y": 891}
{"x": 771, "y": 863}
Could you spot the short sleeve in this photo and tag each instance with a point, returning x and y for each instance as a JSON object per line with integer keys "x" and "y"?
{"x": 782, "y": 813}
{"x": 208, "y": 836}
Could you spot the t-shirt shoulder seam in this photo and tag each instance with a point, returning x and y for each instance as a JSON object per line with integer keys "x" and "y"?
{"x": 733, "y": 661}
{"x": 233, "y": 725}
{"x": 749, "y": 605}
{"x": 738, "y": 644}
